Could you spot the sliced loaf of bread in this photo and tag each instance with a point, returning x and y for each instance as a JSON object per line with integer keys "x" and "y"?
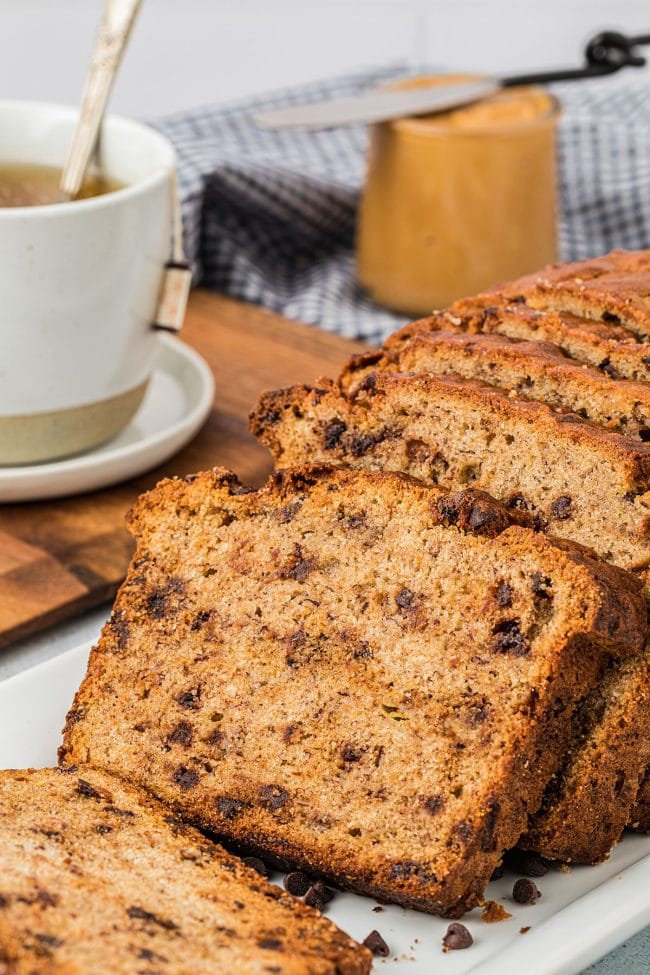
{"x": 614, "y": 289}
{"x": 295, "y": 668}
{"x": 535, "y": 370}
{"x": 580, "y": 481}
{"x": 452, "y": 431}
{"x": 95, "y": 876}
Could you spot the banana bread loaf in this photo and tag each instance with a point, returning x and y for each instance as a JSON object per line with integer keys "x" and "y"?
{"x": 422, "y": 426}
{"x": 582, "y": 482}
{"x": 96, "y": 877}
{"x": 535, "y": 370}
{"x": 294, "y": 667}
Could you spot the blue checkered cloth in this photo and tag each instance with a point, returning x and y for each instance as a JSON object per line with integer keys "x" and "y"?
{"x": 269, "y": 217}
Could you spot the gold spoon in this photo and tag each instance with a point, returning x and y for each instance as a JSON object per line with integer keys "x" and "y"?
{"x": 113, "y": 35}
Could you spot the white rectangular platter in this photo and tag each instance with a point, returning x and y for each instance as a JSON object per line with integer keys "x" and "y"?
{"x": 581, "y": 916}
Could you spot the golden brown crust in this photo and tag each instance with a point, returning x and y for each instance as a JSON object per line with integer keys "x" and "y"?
{"x": 587, "y": 805}
{"x": 453, "y": 431}
{"x": 92, "y": 868}
{"x": 237, "y": 656}
{"x": 533, "y": 370}
{"x": 614, "y": 288}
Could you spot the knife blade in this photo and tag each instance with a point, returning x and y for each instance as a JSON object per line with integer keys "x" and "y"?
{"x": 378, "y": 105}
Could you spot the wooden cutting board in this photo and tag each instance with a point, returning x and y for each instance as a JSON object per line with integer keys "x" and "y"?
{"x": 60, "y": 557}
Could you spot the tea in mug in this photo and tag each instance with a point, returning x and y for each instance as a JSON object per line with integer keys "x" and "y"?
{"x": 30, "y": 184}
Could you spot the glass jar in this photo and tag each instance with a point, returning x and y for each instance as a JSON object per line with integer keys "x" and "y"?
{"x": 458, "y": 201}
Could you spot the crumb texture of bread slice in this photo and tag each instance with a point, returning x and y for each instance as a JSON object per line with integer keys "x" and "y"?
{"x": 578, "y": 480}
{"x": 296, "y": 667}
{"x": 534, "y": 370}
{"x": 586, "y": 806}
{"x": 96, "y": 876}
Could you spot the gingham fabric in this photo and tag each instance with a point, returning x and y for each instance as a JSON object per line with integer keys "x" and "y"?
{"x": 269, "y": 217}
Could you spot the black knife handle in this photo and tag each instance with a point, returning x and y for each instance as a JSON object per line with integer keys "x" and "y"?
{"x": 605, "y": 54}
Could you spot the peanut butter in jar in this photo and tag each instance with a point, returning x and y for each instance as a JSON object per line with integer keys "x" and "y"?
{"x": 458, "y": 201}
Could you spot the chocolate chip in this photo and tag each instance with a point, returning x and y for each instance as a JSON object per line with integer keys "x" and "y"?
{"x": 518, "y": 300}
{"x": 181, "y": 734}
{"x": 508, "y": 638}
{"x": 457, "y": 937}
{"x": 525, "y": 891}
{"x": 297, "y": 883}
{"x": 185, "y": 777}
{"x": 325, "y": 893}
{"x": 332, "y": 433}
{"x": 86, "y": 789}
{"x": 504, "y": 594}
{"x": 200, "y": 619}
{"x": 377, "y": 945}
{"x": 139, "y": 914}
{"x": 350, "y": 753}
{"x": 561, "y": 507}
{"x": 540, "y": 524}
{"x": 274, "y": 796}
{"x": 404, "y": 598}
{"x": 257, "y": 865}
{"x": 271, "y": 944}
{"x": 433, "y": 804}
{"x": 229, "y": 808}
{"x": 530, "y": 864}
{"x": 103, "y": 829}
{"x": 313, "y": 899}
{"x": 610, "y": 317}
{"x": 540, "y": 585}
{"x": 189, "y": 699}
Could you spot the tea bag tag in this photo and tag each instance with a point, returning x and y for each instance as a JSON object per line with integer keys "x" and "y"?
{"x": 173, "y": 297}
{"x": 177, "y": 276}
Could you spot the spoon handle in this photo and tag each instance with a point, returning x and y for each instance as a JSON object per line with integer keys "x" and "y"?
{"x": 114, "y": 31}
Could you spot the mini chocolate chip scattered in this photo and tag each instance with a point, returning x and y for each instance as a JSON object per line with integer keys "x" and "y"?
{"x": 256, "y": 864}
{"x": 313, "y": 899}
{"x": 525, "y": 891}
{"x": 540, "y": 585}
{"x": 457, "y": 937}
{"x": 325, "y": 893}
{"x": 530, "y": 865}
{"x": 378, "y": 909}
{"x": 561, "y": 507}
{"x": 504, "y": 594}
{"x": 297, "y": 883}
{"x": 377, "y": 945}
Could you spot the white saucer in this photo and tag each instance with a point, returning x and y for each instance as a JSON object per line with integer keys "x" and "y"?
{"x": 176, "y": 404}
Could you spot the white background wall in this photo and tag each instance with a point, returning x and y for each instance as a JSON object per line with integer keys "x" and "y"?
{"x": 186, "y": 52}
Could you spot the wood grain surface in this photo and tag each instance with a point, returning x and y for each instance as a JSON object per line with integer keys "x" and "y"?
{"x": 60, "y": 557}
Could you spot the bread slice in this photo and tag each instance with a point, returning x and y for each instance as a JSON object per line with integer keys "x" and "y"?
{"x": 578, "y": 480}
{"x": 535, "y": 370}
{"x": 614, "y": 288}
{"x": 586, "y": 806}
{"x": 98, "y": 877}
{"x": 298, "y": 667}
{"x": 640, "y": 818}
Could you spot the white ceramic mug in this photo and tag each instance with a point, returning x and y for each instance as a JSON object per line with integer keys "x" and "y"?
{"x": 79, "y": 287}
